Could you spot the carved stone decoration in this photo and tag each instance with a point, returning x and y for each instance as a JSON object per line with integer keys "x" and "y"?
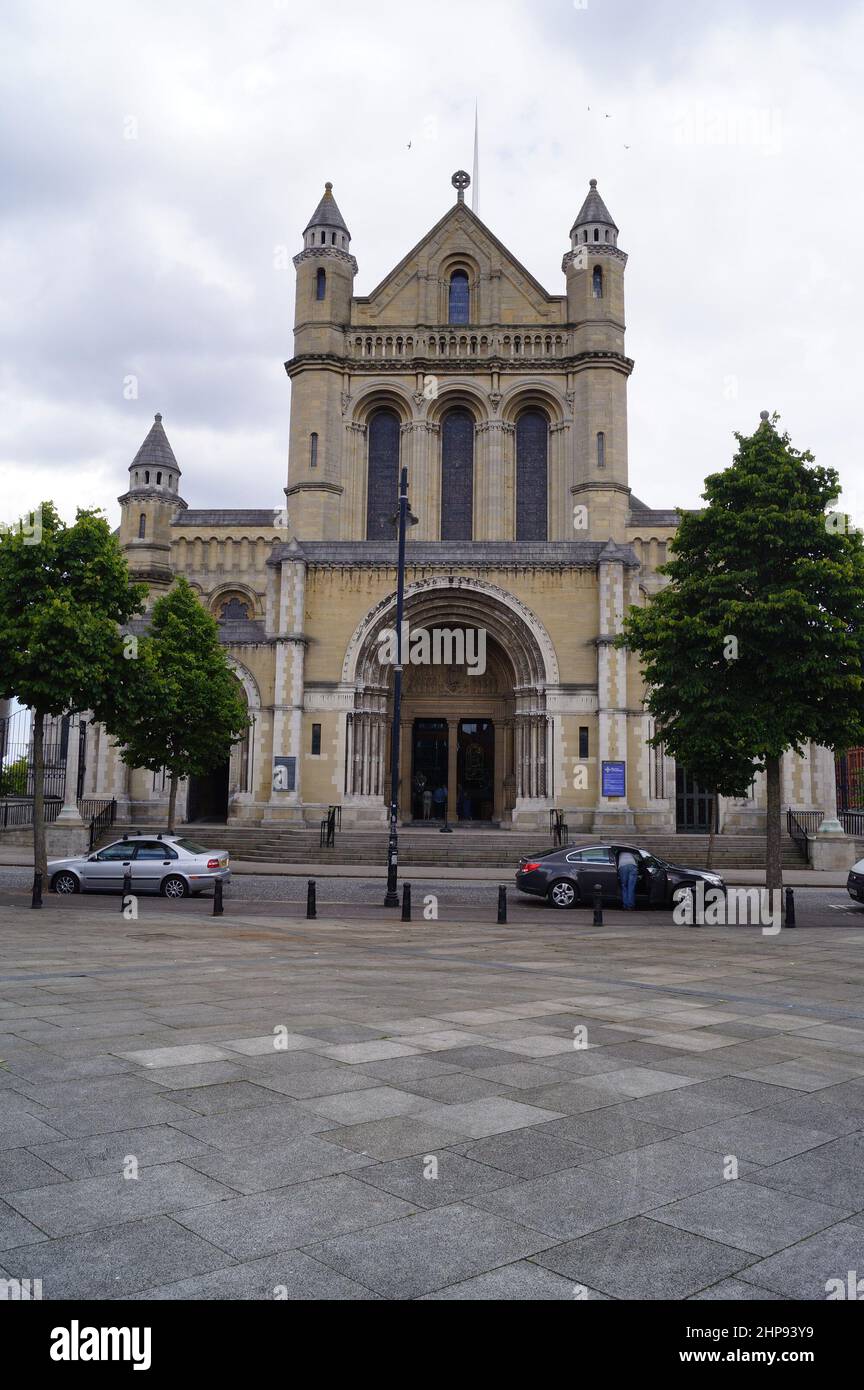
{"x": 495, "y": 399}
{"x": 346, "y": 401}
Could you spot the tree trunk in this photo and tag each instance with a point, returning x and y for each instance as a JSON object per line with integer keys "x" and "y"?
{"x": 172, "y": 803}
{"x": 773, "y": 856}
{"x": 712, "y": 826}
{"x": 40, "y": 856}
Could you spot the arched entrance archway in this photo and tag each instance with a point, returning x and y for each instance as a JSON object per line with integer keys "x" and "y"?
{"x": 491, "y": 726}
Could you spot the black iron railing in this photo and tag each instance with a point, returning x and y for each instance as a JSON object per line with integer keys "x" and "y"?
{"x": 798, "y": 827}
{"x": 329, "y": 825}
{"x": 852, "y": 822}
{"x": 98, "y": 815}
{"x": 16, "y": 814}
{"x": 558, "y": 828}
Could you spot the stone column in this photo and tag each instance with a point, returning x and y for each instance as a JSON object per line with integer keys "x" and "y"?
{"x": 69, "y": 813}
{"x": 560, "y": 501}
{"x": 611, "y": 694}
{"x": 452, "y": 769}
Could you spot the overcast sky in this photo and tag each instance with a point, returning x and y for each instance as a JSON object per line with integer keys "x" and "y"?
{"x": 156, "y": 153}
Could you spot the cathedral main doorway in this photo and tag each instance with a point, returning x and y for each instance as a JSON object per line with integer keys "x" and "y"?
{"x": 433, "y": 796}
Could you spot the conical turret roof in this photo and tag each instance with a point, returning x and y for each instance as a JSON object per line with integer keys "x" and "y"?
{"x": 155, "y": 452}
{"x": 327, "y": 213}
{"x": 594, "y": 210}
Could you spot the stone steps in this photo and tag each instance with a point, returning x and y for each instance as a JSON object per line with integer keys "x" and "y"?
{"x": 465, "y": 848}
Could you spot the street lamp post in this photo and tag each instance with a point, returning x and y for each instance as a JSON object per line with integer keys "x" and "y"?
{"x": 404, "y": 519}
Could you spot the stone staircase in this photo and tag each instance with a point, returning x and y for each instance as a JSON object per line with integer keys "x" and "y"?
{"x": 464, "y": 848}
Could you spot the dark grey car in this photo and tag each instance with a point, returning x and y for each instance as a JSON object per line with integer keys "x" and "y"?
{"x": 567, "y": 877}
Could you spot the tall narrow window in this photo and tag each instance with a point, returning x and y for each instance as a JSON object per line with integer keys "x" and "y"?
{"x": 142, "y": 526}
{"x": 598, "y": 282}
{"x": 583, "y": 742}
{"x": 457, "y": 475}
{"x": 459, "y": 297}
{"x": 382, "y": 485}
{"x": 320, "y": 283}
{"x": 532, "y": 448}
{"x": 313, "y": 451}
{"x": 316, "y": 740}
{"x": 601, "y": 450}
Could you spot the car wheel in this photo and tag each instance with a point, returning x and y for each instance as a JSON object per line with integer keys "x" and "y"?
{"x": 562, "y": 893}
{"x": 65, "y": 883}
{"x": 174, "y": 887}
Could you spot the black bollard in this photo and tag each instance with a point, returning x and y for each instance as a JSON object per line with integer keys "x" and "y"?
{"x": 790, "y": 909}
{"x": 218, "y": 909}
{"x": 127, "y": 888}
{"x": 502, "y": 903}
{"x": 406, "y": 902}
{"x": 310, "y": 899}
{"x": 598, "y": 905}
{"x": 36, "y": 900}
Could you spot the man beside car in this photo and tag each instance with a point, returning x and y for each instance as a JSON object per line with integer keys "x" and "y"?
{"x": 628, "y": 869}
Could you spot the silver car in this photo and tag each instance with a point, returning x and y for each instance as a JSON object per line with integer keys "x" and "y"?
{"x": 156, "y": 863}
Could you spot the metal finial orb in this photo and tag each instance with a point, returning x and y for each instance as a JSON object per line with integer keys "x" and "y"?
{"x": 763, "y": 415}
{"x": 461, "y": 180}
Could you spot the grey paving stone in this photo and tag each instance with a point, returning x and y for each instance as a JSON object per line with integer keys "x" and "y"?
{"x": 494, "y": 1115}
{"x": 569, "y": 1203}
{"x": 683, "y": 1110}
{"x": 749, "y": 1216}
{"x": 528, "y": 1153}
{"x": 632, "y": 1082}
{"x": 804, "y": 1075}
{"x": 231, "y": 1095}
{"x": 758, "y": 1138}
{"x": 302, "y": 1214}
{"x": 833, "y": 1173}
{"x": 246, "y": 1129}
{"x": 644, "y": 1259}
{"x": 15, "y": 1229}
{"x": 343, "y": 1033}
{"x": 420, "y": 1254}
{"x": 198, "y": 1074}
{"x": 20, "y": 1168}
{"x": 292, "y": 1276}
{"x": 264, "y": 1045}
{"x": 814, "y": 1110}
{"x": 672, "y": 1168}
{"x": 115, "y": 1260}
{"x": 519, "y": 1075}
{"x": 355, "y": 1107}
{"x": 87, "y": 1203}
{"x": 457, "y": 1178}
{"x": 175, "y": 1056}
{"x": 519, "y": 1282}
{"x": 396, "y": 1138}
{"x": 742, "y": 1092}
{"x": 358, "y": 1053}
{"x": 102, "y": 1155}
{"x": 329, "y": 1081}
{"x": 734, "y": 1291}
{"x": 469, "y": 1058}
{"x": 298, "y": 1160}
{"x": 132, "y": 1113}
{"x": 457, "y": 1086}
{"x": 20, "y": 1130}
{"x": 612, "y": 1130}
{"x": 400, "y": 1070}
{"x": 569, "y": 1097}
{"x": 96, "y": 1090}
{"x": 806, "y": 1270}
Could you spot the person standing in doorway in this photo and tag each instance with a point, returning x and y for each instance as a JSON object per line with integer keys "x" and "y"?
{"x": 439, "y": 796}
{"x": 627, "y": 871}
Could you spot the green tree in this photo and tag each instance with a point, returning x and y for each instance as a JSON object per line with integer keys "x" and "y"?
{"x": 181, "y": 707}
{"x": 13, "y": 778}
{"x": 756, "y": 645}
{"x": 64, "y": 591}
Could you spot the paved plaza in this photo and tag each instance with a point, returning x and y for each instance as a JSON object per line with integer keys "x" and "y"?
{"x": 261, "y": 1107}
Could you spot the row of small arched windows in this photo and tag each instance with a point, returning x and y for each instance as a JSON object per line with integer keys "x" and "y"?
{"x": 168, "y": 483}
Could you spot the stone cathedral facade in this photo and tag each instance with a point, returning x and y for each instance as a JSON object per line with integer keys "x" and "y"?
{"x": 508, "y": 405}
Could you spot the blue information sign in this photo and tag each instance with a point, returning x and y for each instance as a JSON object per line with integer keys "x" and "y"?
{"x": 614, "y": 779}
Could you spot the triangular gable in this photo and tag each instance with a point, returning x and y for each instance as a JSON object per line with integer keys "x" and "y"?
{"x": 463, "y": 230}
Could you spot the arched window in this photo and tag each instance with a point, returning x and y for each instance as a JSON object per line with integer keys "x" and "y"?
{"x": 532, "y": 449}
{"x": 601, "y": 450}
{"x": 158, "y": 479}
{"x": 598, "y": 282}
{"x": 382, "y": 484}
{"x": 320, "y": 283}
{"x": 147, "y": 476}
{"x": 459, "y": 297}
{"x": 313, "y": 451}
{"x": 457, "y": 475}
{"x": 596, "y": 234}
{"x": 142, "y": 526}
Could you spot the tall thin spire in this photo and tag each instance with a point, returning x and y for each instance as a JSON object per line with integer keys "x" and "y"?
{"x": 475, "y": 179}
